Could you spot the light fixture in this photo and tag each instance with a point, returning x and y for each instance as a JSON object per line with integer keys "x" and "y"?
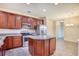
{"x": 72, "y": 24}
{"x": 61, "y": 21}
{"x": 44, "y": 10}
{"x": 69, "y": 25}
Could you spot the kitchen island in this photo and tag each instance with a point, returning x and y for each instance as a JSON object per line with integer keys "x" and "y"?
{"x": 42, "y": 45}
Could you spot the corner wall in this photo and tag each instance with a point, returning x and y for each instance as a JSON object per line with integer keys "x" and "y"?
{"x": 51, "y": 27}
{"x": 71, "y": 33}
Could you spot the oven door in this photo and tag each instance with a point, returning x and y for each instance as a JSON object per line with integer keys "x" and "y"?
{"x": 25, "y": 41}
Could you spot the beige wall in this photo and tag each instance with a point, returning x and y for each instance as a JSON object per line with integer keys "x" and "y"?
{"x": 16, "y": 8}
{"x": 71, "y": 33}
{"x": 51, "y": 27}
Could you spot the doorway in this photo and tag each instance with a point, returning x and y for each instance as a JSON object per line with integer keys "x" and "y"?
{"x": 60, "y": 30}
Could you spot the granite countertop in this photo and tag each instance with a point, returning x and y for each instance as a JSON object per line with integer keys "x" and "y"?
{"x": 17, "y": 32}
{"x": 14, "y": 31}
{"x": 8, "y": 32}
{"x": 40, "y": 37}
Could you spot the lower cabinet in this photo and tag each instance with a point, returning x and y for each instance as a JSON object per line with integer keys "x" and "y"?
{"x": 17, "y": 41}
{"x": 52, "y": 46}
{"x": 13, "y": 42}
{"x": 9, "y": 43}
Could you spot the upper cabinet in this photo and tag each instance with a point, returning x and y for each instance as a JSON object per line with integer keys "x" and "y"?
{"x": 24, "y": 19}
{"x": 3, "y": 20}
{"x": 18, "y": 22}
{"x": 11, "y": 21}
{"x": 34, "y": 23}
{"x": 14, "y": 21}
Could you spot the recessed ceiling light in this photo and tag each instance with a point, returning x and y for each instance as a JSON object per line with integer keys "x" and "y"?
{"x": 44, "y": 10}
{"x": 55, "y": 3}
{"x": 28, "y": 3}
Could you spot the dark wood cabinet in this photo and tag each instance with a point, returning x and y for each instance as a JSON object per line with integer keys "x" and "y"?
{"x": 46, "y": 47}
{"x": 39, "y": 22}
{"x": 24, "y": 19}
{"x": 3, "y": 20}
{"x": 12, "y": 42}
{"x": 15, "y": 21}
{"x": 34, "y": 23}
{"x": 18, "y": 22}
{"x": 17, "y": 41}
{"x": 9, "y": 43}
{"x": 52, "y": 46}
{"x": 38, "y": 47}
{"x": 5, "y": 45}
{"x": 11, "y": 21}
{"x": 31, "y": 46}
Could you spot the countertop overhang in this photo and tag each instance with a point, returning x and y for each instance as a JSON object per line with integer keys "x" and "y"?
{"x": 40, "y": 37}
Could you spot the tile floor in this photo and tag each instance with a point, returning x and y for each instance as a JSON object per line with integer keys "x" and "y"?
{"x": 63, "y": 48}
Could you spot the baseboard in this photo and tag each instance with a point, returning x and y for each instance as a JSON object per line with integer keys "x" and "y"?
{"x": 70, "y": 41}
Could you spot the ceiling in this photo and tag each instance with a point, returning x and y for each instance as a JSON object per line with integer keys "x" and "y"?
{"x": 52, "y": 11}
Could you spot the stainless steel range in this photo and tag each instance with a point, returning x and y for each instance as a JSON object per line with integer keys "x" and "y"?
{"x": 26, "y": 37}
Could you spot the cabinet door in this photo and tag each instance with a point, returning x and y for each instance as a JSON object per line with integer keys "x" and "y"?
{"x": 39, "y": 49}
{"x": 3, "y": 20}
{"x": 34, "y": 23}
{"x": 31, "y": 46}
{"x": 39, "y": 22}
{"x": 11, "y": 21}
{"x": 18, "y": 22}
{"x": 5, "y": 45}
{"x": 52, "y": 45}
{"x": 10, "y": 42}
{"x": 17, "y": 41}
{"x": 46, "y": 47}
{"x": 24, "y": 19}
